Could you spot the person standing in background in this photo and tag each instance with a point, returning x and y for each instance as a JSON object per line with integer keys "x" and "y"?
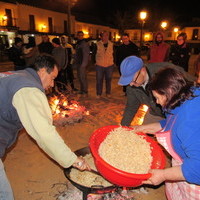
{"x": 15, "y": 54}
{"x": 61, "y": 56}
{"x": 127, "y": 48}
{"x": 104, "y": 64}
{"x": 69, "y": 69}
{"x": 45, "y": 46}
{"x": 180, "y": 52}
{"x": 30, "y": 51}
{"x": 81, "y": 62}
{"x": 159, "y": 51}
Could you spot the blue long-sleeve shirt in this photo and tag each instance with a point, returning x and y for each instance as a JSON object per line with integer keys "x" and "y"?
{"x": 186, "y": 136}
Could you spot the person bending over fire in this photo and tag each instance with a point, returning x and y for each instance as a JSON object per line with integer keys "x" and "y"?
{"x": 24, "y": 104}
{"x": 136, "y": 75}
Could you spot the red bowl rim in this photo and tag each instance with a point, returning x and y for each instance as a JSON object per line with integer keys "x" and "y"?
{"x": 128, "y": 174}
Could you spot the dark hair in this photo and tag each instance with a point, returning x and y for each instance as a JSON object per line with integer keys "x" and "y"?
{"x": 56, "y": 41}
{"x": 172, "y": 83}
{"x": 18, "y": 40}
{"x": 45, "y": 61}
{"x": 184, "y": 35}
{"x": 102, "y": 33}
{"x": 80, "y": 32}
{"x": 159, "y": 33}
{"x": 31, "y": 42}
{"x": 125, "y": 34}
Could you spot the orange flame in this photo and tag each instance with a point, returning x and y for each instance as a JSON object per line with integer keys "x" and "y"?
{"x": 63, "y": 109}
{"x": 139, "y": 116}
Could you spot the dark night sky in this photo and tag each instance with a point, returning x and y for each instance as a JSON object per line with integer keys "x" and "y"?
{"x": 167, "y": 9}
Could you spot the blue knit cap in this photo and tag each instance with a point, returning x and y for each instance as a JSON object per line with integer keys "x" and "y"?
{"x": 129, "y": 67}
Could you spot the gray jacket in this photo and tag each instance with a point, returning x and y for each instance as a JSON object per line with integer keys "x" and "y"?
{"x": 61, "y": 56}
{"x": 138, "y": 95}
{"x": 82, "y": 53}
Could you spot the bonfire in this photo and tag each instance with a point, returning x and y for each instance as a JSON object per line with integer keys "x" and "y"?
{"x": 66, "y": 110}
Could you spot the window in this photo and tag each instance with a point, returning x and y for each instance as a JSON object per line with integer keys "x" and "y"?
{"x": 32, "y": 22}
{"x": 110, "y": 36}
{"x": 65, "y": 26}
{"x": 9, "y": 17}
{"x": 50, "y": 23}
{"x": 195, "y": 34}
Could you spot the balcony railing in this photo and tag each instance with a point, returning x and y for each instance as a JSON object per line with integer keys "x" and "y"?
{"x": 8, "y": 22}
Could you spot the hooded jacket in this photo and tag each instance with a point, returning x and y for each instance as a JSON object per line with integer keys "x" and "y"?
{"x": 159, "y": 52}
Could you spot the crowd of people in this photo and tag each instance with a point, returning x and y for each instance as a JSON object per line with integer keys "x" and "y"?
{"x": 104, "y": 54}
{"x": 126, "y": 57}
{"x": 163, "y": 83}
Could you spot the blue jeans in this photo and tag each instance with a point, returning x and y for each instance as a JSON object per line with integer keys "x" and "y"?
{"x": 102, "y": 72}
{"x": 6, "y": 192}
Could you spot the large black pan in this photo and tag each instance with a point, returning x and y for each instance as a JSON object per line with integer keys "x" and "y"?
{"x": 97, "y": 189}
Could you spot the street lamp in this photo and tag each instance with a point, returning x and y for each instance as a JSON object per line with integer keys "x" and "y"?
{"x": 164, "y": 24}
{"x": 143, "y": 15}
{"x": 43, "y": 27}
{"x": 176, "y": 29}
{"x": 4, "y": 19}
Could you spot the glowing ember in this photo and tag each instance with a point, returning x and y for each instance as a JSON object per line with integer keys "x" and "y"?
{"x": 66, "y": 111}
{"x": 139, "y": 116}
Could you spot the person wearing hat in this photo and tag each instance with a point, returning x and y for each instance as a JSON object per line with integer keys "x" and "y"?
{"x": 136, "y": 76}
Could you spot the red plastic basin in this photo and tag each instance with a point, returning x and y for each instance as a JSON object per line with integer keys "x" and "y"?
{"x": 117, "y": 176}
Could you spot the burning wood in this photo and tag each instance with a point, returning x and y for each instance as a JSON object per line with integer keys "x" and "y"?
{"x": 66, "y": 110}
{"x": 139, "y": 116}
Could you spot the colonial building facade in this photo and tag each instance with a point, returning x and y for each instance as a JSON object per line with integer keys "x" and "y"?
{"x": 18, "y": 19}
{"x": 23, "y": 19}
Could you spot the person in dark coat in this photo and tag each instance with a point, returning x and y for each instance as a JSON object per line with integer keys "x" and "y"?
{"x": 45, "y": 46}
{"x": 137, "y": 76}
{"x": 81, "y": 59}
{"x": 30, "y": 51}
{"x": 15, "y": 54}
{"x": 127, "y": 48}
{"x": 180, "y": 52}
